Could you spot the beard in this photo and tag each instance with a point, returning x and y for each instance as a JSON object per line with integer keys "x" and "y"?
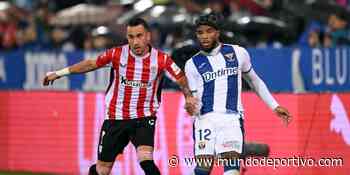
{"x": 209, "y": 49}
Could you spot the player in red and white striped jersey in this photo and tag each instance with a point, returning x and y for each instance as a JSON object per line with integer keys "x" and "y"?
{"x": 131, "y": 99}
{"x": 133, "y": 90}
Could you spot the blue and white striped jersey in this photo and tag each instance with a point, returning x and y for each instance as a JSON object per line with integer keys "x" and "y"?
{"x": 216, "y": 77}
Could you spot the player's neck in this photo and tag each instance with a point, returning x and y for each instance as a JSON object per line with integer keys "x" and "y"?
{"x": 213, "y": 50}
{"x": 144, "y": 54}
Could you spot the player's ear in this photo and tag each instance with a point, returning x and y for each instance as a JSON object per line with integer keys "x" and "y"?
{"x": 217, "y": 34}
{"x": 148, "y": 36}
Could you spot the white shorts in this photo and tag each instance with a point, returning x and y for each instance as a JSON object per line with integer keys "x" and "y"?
{"x": 217, "y": 133}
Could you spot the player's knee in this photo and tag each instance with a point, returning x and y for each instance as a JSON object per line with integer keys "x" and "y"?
{"x": 231, "y": 163}
{"x": 230, "y": 155}
{"x": 199, "y": 170}
{"x": 145, "y": 157}
{"x": 92, "y": 170}
{"x": 104, "y": 168}
{"x": 206, "y": 164}
{"x": 144, "y": 153}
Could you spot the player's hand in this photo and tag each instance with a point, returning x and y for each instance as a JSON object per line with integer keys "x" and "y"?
{"x": 283, "y": 114}
{"x": 50, "y": 78}
{"x": 191, "y": 105}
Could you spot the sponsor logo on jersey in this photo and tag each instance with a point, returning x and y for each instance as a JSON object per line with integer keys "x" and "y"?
{"x": 201, "y": 66}
{"x": 134, "y": 83}
{"x": 209, "y": 76}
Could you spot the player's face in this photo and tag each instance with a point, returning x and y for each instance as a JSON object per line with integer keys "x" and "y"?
{"x": 207, "y": 36}
{"x": 139, "y": 39}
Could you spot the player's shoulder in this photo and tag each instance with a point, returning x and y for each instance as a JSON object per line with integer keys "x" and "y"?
{"x": 161, "y": 53}
{"x": 236, "y": 47}
{"x": 240, "y": 51}
{"x": 116, "y": 49}
{"x": 195, "y": 56}
{"x": 120, "y": 47}
{"x": 162, "y": 56}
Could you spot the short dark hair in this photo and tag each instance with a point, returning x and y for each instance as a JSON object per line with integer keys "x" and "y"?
{"x": 212, "y": 19}
{"x": 138, "y": 21}
{"x": 342, "y": 15}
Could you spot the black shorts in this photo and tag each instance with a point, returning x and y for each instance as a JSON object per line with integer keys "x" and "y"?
{"x": 116, "y": 134}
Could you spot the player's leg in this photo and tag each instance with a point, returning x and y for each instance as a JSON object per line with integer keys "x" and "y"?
{"x": 143, "y": 140}
{"x": 204, "y": 145}
{"x": 113, "y": 139}
{"x": 230, "y": 162}
{"x": 230, "y": 140}
{"x": 204, "y": 164}
{"x": 104, "y": 168}
{"x": 145, "y": 157}
{"x": 92, "y": 170}
{"x": 255, "y": 149}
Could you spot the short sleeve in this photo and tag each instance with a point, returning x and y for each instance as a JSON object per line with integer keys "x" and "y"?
{"x": 245, "y": 58}
{"x": 172, "y": 68}
{"x": 191, "y": 75}
{"x": 106, "y": 57}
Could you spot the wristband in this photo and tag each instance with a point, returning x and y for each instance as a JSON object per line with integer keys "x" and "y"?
{"x": 63, "y": 72}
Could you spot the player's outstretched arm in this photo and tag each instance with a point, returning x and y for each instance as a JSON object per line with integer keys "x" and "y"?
{"x": 261, "y": 90}
{"x": 81, "y": 67}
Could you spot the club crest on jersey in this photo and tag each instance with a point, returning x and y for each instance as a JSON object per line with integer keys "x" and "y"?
{"x": 122, "y": 65}
{"x": 201, "y": 144}
{"x": 229, "y": 56}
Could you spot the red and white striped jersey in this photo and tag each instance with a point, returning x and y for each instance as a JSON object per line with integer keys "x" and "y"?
{"x": 132, "y": 92}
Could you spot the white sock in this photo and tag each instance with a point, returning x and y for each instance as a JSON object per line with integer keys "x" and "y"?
{"x": 231, "y": 172}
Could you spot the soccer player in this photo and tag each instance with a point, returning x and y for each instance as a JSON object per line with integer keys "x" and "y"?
{"x": 131, "y": 99}
{"x": 214, "y": 74}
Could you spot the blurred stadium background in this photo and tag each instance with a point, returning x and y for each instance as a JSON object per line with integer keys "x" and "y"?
{"x": 299, "y": 47}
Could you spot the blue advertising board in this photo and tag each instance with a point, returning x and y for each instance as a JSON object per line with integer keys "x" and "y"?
{"x": 283, "y": 70}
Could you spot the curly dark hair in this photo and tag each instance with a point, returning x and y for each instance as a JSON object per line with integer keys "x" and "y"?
{"x": 211, "y": 19}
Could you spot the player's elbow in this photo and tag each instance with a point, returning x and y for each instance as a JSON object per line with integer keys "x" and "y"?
{"x": 181, "y": 81}
{"x": 91, "y": 64}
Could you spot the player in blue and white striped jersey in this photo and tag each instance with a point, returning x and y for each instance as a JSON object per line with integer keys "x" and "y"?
{"x": 214, "y": 75}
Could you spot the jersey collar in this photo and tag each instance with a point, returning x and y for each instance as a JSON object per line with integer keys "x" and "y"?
{"x": 213, "y": 52}
{"x": 142, "y": 57}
